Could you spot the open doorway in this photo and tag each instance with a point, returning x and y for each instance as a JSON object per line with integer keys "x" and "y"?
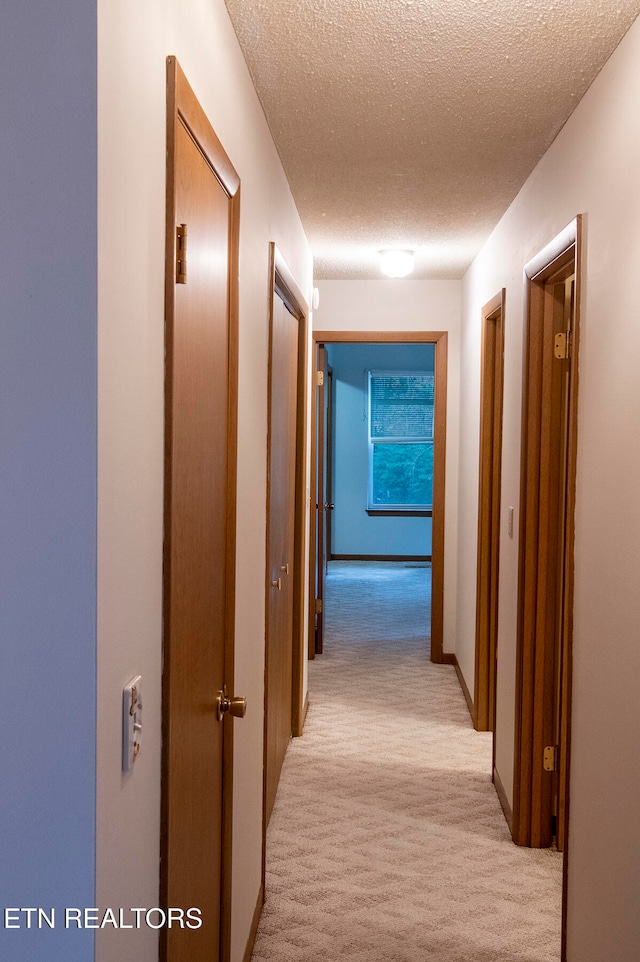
{"x": 378, "y": 467}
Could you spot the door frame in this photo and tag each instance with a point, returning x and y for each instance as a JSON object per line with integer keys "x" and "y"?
{"x": 329, "y": 453}
{"x": 319, "y": 458}
{"x": 562, "y": 256}
{"x": 283, "y": 284}
{"x": 440, "y": 340}
{"x": 183, "y": 107}
{"x": 491, "y": 402}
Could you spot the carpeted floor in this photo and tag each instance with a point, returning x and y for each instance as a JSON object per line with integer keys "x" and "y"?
{"x": 387, "y": 842}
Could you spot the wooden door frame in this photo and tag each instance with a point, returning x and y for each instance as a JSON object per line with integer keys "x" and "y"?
{"x": 491, "y": 391}
{"x": 440, "y": 340}
{"x": 282, "y": 284}
{"x": 183, "y": 107}
{"x": 329, "y": 442}
{"x": 562, "y": 255}
{"x": 319, "y": 458}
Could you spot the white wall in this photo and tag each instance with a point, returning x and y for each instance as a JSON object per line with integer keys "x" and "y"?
{"x": 353, "y": 530}
{"x": 48, "y": 438}
{"x": 410, "y": 305}
{"x": 134, "y": 41}
{"x": 591, "y": 168}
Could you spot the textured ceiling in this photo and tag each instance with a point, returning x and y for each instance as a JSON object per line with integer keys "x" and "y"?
{"x": 414, "y": 123}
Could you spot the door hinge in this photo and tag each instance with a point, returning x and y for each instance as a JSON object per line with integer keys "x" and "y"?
{"x": 320, "y": 378}
{"x": 181, "y": 254}
{"x": 318, "y": 606}
{"x": 562, "y": 345}
{"x": 550, "y": 758}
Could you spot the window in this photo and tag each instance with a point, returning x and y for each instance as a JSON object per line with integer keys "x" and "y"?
{"x": 400, "y": 441}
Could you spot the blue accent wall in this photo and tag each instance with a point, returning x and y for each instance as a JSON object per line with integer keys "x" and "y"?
{"x": 48, "y": 435}
{"x": 354, "y": 531}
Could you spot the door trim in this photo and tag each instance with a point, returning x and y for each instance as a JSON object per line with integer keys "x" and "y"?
{"x": 562, "y": 255}
{"x": 283, "y": 284}
{"x": 329, "y": 447}
{"x": 491, "y": 391}
{"x": 183, "y": 106}
{"x": 440, "y": 339}
{"x": 319, "y": 456}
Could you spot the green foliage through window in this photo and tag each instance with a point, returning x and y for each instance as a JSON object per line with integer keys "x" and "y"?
{"x": 400, "y": 440}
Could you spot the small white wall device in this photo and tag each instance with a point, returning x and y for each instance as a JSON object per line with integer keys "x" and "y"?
{"x": 131, "y": 722}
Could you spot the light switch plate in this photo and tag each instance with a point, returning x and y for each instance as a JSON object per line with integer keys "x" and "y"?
{"x": 131, "y": 722}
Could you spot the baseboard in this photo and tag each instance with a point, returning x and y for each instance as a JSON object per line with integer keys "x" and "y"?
{"x": 254, "y": 926}
{"x": 465, "y": 690}
{"x": 504, "y": 801}
{"x": 450, "y": 658}
{"x": 305, "y": 709}
{"x": 380, "y": 557}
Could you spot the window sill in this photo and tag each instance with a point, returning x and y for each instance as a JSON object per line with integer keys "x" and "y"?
{"x": 400, "y": 512}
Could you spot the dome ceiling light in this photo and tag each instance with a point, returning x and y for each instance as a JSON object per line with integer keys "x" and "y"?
{"x": 396, "y": 263}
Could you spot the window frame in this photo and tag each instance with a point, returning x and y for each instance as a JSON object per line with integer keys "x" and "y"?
{"x": 405, "y": 510}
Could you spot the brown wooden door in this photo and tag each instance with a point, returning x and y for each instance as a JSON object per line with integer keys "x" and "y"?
{"x": 321, "y": 495}
{"x": 547, "y": 526}
{"x": 280, "y": 548}
{"x": 328, "y": 467}
{"x": 489, "y": 513}
{"x": 565, "y": 294}
{"x": 199, "y": 537}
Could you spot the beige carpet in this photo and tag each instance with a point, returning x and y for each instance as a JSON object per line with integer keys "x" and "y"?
{"x": 387, "y": 842}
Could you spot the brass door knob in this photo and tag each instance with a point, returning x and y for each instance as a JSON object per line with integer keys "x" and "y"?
{"x": 230, "y": 706}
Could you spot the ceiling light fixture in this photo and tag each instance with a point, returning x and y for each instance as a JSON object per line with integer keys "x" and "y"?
{"x": 396, "y": 263}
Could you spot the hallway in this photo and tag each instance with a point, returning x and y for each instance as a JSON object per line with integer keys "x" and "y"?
{"x": 387, "y": 841}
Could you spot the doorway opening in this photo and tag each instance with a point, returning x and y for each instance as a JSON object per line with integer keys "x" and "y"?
{"x": 378, "y": 462}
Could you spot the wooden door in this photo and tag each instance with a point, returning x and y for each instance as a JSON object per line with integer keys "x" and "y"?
{"x": 199, "y": 553}
{"x": 281, "y": 500}
{"x": 489, "y": 513}
{"x": 329, "y": 392}
{"x": 564, "y": 292}
{"x": 547, "y": 503}
{"x": 321, "y": 495}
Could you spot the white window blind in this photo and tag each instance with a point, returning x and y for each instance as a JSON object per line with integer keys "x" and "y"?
{"x": 401, "y": 406}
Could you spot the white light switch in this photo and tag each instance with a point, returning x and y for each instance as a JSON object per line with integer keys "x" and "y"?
{"x": 510, "y": 522}
{"x": 131, "y": 722}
